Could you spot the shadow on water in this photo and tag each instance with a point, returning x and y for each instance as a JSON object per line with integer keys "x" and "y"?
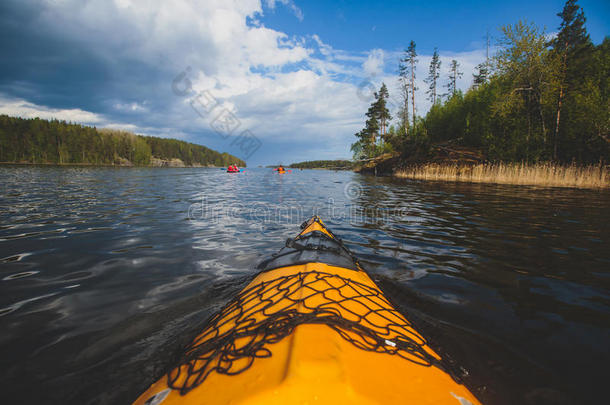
{"x": 106, "y": 273}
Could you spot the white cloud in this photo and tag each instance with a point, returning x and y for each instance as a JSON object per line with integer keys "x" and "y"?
{"x": 549, "y": 36}
{"x": 374, "y": 64}
{"x": 298, "y": 13}
{"x": 130, "y": 107}
{"x": 25, "y": 109}
{"x": 21, "y": 108}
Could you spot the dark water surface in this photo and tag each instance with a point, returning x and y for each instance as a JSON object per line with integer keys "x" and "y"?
{"x": 105, "y": 273}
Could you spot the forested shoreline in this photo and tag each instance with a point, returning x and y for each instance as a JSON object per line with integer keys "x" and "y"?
{"x": 39, "y": 141}
{"x": 324, "y": 164}
{"x": 538, "y": 98}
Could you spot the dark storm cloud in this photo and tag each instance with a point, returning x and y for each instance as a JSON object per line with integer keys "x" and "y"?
{"x": 48, "y": 66}
{"x": 41, "y": 66}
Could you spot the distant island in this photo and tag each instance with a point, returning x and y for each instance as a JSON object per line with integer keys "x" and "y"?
{"x": 38, "y": 141}
{"x": 324, "y": 164}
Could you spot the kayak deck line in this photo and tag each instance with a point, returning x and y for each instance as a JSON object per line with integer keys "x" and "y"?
{"x": 309, "y": 331}
{"x": 315, "y": 244}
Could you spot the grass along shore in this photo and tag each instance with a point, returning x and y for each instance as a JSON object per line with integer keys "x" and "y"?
{"x": 545, "y": 174}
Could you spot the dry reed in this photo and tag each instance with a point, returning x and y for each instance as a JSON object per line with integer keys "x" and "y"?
{"x": 546, "y": 174}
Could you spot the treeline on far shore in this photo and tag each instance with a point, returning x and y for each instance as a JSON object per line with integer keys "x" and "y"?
{"x": 324, "y": 164}
{"x": 58, "y": 142}
{"x": 539, "y": 98}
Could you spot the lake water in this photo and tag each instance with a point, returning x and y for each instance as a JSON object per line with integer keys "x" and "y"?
{"x": 105, "y": 273}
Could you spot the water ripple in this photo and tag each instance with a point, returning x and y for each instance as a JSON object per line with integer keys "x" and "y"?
{"x": 106, "y": 271}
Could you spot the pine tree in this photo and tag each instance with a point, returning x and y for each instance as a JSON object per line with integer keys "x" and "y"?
{"x": 454, "y": 75}
{"x": 372, "y": 124}
{"x": 433, "y": 75}
{"x": 412, "y": 54}
{"x": 383, "y": 114}
{"x": 378, "y": 116}
{"x": 404, "y": 109}
{"x": 480, "y": 77}
{"x": 407, "y": 74}
{"x": 405, "y": 90}
{"x": 568, "y": 46}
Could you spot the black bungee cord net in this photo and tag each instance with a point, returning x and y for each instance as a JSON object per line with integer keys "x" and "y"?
{"x": 268, "y": 312}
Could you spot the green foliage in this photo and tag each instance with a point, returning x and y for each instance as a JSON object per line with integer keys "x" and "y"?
{"x": 446, "y": 121}
{"x": 58, "y": 142}
{"x": 394, "y": 139}
{"x": 512, "y": 113}
{"x": 535, "y": 101}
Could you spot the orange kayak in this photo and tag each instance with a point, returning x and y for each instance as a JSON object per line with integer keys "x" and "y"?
{"x": 311, "y": 328}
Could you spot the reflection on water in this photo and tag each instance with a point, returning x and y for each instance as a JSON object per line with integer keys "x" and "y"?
{"x": 104, "y": 273}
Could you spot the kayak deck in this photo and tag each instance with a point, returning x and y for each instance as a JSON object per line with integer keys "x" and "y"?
{"x": 309, "y": 332}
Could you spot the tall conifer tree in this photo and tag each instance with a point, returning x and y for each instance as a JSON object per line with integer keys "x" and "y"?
{"x": 569, "y": 45}
{"x": 412, "y": 61}
{"x": 480, "y": 77}
{"x": 382, "y": 111}
{"x": 433, "y": 75}
{"x": 454, "y": 75}
{"x": 408, "y": 64}
{"x": 405, "y": 90}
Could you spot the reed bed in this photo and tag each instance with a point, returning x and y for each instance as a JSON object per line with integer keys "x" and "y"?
{"x": 546, "y": 174}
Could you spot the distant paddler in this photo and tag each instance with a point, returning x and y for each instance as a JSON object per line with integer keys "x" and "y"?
{"x": 233, "y": 169}
{"x": 280, "y": 169}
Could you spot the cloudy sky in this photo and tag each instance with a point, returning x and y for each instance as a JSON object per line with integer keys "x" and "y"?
{"x": 295, "y": 74}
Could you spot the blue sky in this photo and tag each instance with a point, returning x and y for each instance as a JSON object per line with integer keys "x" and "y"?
{"x": 450, "y": 25}
{"x": 296, "y": 75}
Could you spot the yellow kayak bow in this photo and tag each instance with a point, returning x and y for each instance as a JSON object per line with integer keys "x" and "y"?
{"x": 311, "y": 328}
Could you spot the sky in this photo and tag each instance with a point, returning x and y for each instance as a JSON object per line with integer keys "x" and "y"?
{"x": 270, "y": 81}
